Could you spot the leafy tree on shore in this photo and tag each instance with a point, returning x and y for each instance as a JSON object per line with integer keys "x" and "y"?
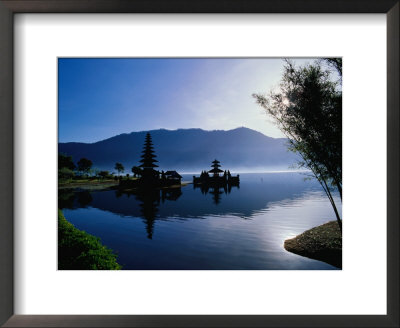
{"x": 104, "y": 174}
{"x": 65, "y": 173}
{"x": 84, "y": 165}
{"x": 65, "y": 161}
{"x": 137, "y": 171}
{"x": 308, "y": 109}
{"x": 119, "y": 167}
{"x": 66, "y": 167}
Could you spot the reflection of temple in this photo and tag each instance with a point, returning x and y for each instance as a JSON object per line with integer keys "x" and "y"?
{"x": 149, "y": 201}
{"x": 152, "y": 186}
{"x": 215, "y": 191}
{"x": 214, "y": 177}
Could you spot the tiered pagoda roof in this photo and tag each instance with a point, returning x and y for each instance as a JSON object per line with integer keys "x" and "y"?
{"x": 215, "y": 167}
{"x": 148, "y": 156}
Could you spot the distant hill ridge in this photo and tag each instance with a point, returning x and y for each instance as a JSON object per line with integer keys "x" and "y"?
{"x": 188, "y": 150}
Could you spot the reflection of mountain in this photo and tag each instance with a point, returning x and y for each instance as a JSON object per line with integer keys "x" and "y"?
{"x": 188, "y": 150}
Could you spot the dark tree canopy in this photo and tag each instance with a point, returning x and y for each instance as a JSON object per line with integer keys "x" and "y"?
{"x": 65, "y": 161}
{"x": 119, "y": 167}
{"x": 335, "y": 63}
{"x": 104, "y": 174}
{"x": 308, "y": 109}
{"x": 137, "y": 171}
{"x": 65, "y": 173}
{"x": 84, "y": 165}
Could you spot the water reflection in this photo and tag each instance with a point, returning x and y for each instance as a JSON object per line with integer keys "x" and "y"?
{"x": 196, "y": 227}
{"x": 191, "y": 202}
{"x": 148, "y": 201}
{"x": 215, "y": 191}
{"x": 84, "y": 198}
{"x": 145, "y": 200}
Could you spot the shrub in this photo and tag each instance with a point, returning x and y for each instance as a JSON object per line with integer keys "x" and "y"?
{"x": 77, "y": 250}
{"x": 65, "y": 173}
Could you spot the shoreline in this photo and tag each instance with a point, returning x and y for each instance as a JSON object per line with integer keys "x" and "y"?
{"x": 105, "y": 185}
{"x": 322, "y": 243}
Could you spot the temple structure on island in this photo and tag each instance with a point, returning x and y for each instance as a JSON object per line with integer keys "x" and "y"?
{"x": 216, "y": 177}
{"x": 148, "y": 176}
{"x": 215, "y": 169}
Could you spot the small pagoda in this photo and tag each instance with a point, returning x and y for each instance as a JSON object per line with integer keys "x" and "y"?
{"x": 216, "y": 177}
{"x": 215, "y": 169}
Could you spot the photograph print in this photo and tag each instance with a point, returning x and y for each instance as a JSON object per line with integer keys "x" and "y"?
{"x": 199, "y": 164}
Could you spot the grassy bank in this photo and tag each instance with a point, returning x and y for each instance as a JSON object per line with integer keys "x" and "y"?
{"x": 87, "y": 184}
{"x": 323, "y": 243}
{"x": 77, "y": 250}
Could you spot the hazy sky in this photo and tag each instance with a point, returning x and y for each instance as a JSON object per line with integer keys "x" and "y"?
{"x": 100, "y": 98}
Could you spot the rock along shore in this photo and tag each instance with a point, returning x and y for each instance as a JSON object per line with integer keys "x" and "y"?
{"x": 323, "y": 243}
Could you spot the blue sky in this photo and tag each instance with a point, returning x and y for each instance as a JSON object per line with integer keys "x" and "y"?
{"x": 100, "y": 98}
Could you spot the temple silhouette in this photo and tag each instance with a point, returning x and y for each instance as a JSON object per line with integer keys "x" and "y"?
{"x": 216, "y": 177}
{"x": 216, "y": 180}
{"x": 152, "y": 186}
{"x": 149, "y": 177}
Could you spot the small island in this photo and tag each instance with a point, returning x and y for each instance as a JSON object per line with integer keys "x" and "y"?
{"x": 215, "y": 179}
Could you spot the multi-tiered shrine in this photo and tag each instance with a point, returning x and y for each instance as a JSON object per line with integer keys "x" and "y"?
{"x": 216, "y": 177}
{"x": 149, "y": 177}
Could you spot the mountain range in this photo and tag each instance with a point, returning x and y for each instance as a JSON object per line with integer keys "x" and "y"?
{"x": 188, "y": 150}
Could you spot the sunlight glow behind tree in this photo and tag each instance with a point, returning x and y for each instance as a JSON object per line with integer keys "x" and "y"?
{"x": 307, "y": 107}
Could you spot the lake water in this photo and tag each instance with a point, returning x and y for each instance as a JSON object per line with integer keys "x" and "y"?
{"x": 189, "y": 228}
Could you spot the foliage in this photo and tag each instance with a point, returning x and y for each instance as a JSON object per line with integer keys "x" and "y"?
{"x": 65, "y": 173}
{"x": 65, "y": 161}
{"x": 77, "y": 250}
{"x": 308, "y": 109}
{"x": 137, "y": 171}
{"x": 119, "y": 167}
{"x": 103, "y": 174}
{"x": 335, "y": 63}
{"x": 95, "y": 172}
{"x": 84, "y": 165}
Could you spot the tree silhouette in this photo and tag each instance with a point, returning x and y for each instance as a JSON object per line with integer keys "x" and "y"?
{"x": 119, "y": 167}
{"x": 137, "y": 171}
{"x": 65, "y": 161}
{"x": 308, "y": 109}
{"x": 104, "y": 174}
{"x": 84, "y": 165}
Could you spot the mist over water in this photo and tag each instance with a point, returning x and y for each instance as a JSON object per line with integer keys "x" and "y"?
{"x": 193, "y": 228}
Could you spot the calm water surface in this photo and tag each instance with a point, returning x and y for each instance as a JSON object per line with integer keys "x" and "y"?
{"x": 190, "y": 228}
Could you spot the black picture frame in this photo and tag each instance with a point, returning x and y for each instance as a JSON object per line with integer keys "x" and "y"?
{"x": 7, "y": 10}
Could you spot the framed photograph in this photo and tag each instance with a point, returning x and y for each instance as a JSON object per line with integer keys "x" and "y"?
{"x": 193, "y": 155}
